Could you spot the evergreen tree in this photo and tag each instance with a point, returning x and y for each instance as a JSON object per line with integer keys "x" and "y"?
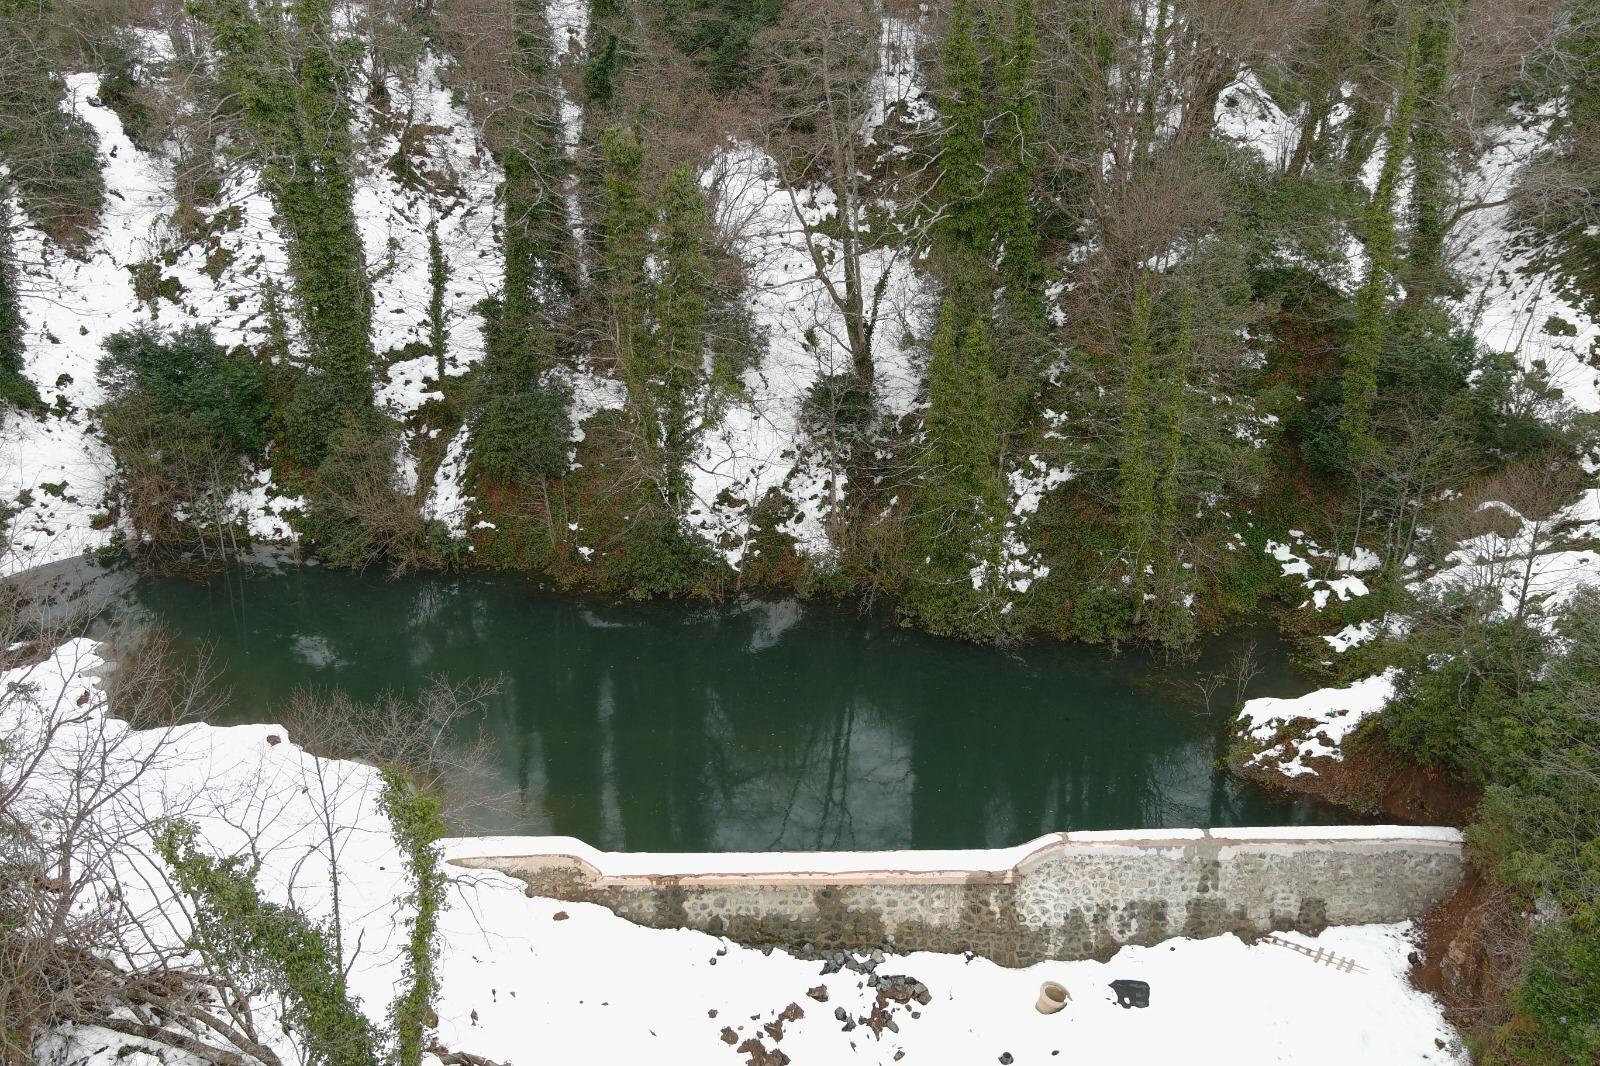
{"x": 681, "y": 315}
{"x": 965, "y": 230}
{"x": 521, "y": 424}
{"x": 1136, "y": 472}
{"x": 438, "y": 278}
{"x": 626, "y": 236}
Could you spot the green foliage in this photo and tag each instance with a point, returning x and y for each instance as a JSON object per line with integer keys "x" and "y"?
{"x": 984, "y": 361}
{"x": 1136, "y": 504}
{"x": 519, "y": 420}
{"x": 522, "y": 435}
{"x": 962, "y": 150}
{"x": 658, "y": 557}
{"x": 668, "y": 324}
{"x": 358, "y": 516}
{"x": 438, "y": 278}
{"x": 1364, "y": 348}
{"x": 286, "y": 74}
{"x": 1559, "y": 994}
{"x": 959, "y": 500}
{"x": 666, "y": 368}
{"x": 1538, "y": 750}
{"x": 1484, "y": 409}
{"x": 1011, "y": 210}
{"x": 839, "y": 409}
{"x": 49, "y": 153}
{"x": 625, "y": 236}
{"x": 1457, "y": 704}
{"x": 192, "y": 385}
{"x": 600, "y": 73}
{"x": 718, "y": 35}
{"x": 1429, "y": 204}
{"x": 238, "y": 932}
{"x": 318, "y": 403}
{"x": 414, "y": 818}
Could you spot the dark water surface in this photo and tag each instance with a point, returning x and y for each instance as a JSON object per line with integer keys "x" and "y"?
{"x": 672, "y": 727}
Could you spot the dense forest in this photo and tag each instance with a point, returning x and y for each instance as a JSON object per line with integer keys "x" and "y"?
{"x": 1106, "y": 320}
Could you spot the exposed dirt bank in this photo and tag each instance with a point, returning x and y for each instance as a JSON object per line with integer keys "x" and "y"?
{"x": 1373, "y": 779}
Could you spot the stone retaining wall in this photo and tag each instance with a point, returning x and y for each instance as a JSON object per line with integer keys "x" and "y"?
{"x": 1066, "y": 896}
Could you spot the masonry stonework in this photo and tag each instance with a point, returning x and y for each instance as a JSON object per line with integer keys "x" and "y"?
{"x": 1072, "y": 896}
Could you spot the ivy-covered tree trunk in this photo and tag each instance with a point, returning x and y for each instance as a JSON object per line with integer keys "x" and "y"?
{"x": 1430, "y": 148}
{"x": 1136, "y": 475}
{"x": 627, "y": 286}
{"x": 263, "y": 944}
{"x": 1021, "y": 341}
{"x": 1364, "y": 349}
{"x": 438, "y": 278}
{"x": 286, "y": 73}
{"x": 520, "y": 419}
{"x": 681, "y": 313}
{"x": 417, "y": 826}
{"x": 1170, "y": 620}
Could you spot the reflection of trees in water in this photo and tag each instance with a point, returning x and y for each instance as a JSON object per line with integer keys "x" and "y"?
{"x": 744, "y": 728}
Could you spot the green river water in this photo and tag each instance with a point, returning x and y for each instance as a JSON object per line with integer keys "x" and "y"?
{"x": 747, "y": 727}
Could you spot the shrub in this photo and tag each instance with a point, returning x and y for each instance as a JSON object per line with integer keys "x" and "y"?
{"x": 1536, "y": 743}
{"x": 15, "y": 388}
{"x": 659, "y": 558}
{"x": 1559, "y": 995}
{"x": 1460, "y": 703}
{"x": 192, "y": 385}
{"x": 523, "y": 435}
{"x": 182, "y": 416}
{"x": 358, "y": 515}
{"x": 318, "y": 405}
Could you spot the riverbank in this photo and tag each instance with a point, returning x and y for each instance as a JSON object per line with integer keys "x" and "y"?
{"x": 580, "y": 984}
{"x": 1471, "y": 947}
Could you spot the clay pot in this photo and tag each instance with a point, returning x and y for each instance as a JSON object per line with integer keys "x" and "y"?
{"x": 1052, "y": 997}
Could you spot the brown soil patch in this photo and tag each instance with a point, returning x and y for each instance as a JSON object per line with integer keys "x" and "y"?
{"x": 1372, "y": 779}
{"x": 1472, "y": 949}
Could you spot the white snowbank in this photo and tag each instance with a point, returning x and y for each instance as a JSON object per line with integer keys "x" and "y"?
{"x": 1333, "y": 712}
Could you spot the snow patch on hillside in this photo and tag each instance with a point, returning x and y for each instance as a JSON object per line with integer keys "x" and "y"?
{"x": 448, "y": 183}
{"x": 55, "y": 470}
{"x": 760, "y": 444}
{"x": 1247, "y": 114}
{"x": 1510, "y": 301}
{"x": 228, "y": 270}
{"x": 897, "y": 83}
{"x": 1318, "y": 722}
{"x": 447, "y": 501}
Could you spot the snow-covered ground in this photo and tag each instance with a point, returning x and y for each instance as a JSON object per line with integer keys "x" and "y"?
{"x": 759, "y": 444}
{"x": 527, "y": 979}
{"x": 1332, "y": 713}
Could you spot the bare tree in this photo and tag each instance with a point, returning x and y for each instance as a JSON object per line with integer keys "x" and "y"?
{"x": 833, "y": 82}
{"x": 80, "y": 944}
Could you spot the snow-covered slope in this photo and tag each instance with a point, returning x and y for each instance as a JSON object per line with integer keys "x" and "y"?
{"x": 57, "y": 469}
